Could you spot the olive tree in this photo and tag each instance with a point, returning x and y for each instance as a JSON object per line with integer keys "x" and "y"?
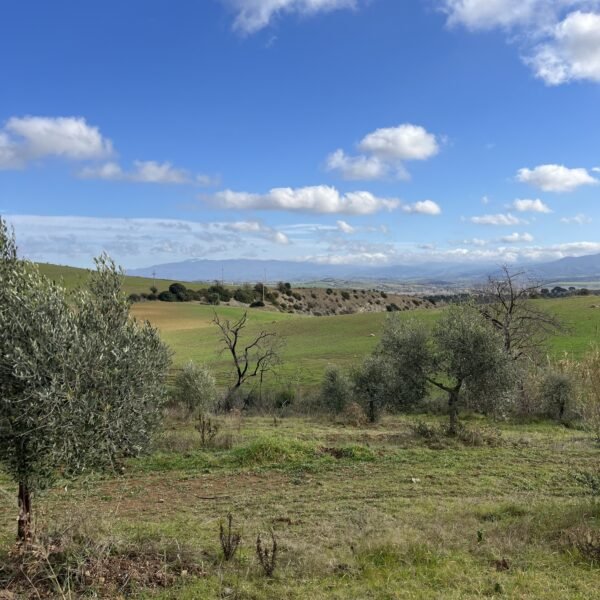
{"x": 461, "y": 352}
{"x": 81, "y": 383}
{"x": 195, "y": 388}
{"x": 336, "y": 390}
{"x": 394, "y": 375}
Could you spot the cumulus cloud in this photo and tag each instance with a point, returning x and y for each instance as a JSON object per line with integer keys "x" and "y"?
{"x": 405, "y": 142}
{"x": 572, "y": 51}
{"x": 501, "y": 219}
{"x": 556, "y": 178}
{"x": 579, "y": 219}
{"x": 24, "y": 139}
{"x": 560, "y": 39}
{"x": 384, "y": 152}
{"x": 313, "y": 199}
{"x": 424, "y": 207}
{"x": 528, "y": 205}
{"x": 517, "y": 238}
{"x": 357, "y": 167}
{"x": 254, "y": 15}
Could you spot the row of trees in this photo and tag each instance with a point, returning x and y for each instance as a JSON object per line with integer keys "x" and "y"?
{"x": 214, "y": 294}
{"x": 477, "y": 351}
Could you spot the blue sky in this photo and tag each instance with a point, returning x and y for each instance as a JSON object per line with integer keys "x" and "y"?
{"x": 341, "y": 131}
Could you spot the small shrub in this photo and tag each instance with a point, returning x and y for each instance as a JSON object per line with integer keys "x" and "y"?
{"x": 195, "y": 388}
{"x": 558, "y": 393}
{"x": 336, "y": 390}
{"x": 267, "y": 558}
{"x": 590, "y": 481}
{"x": 230, "y": 540}
{"x": 346, "y": 295}
{"x": 167, "y": 296}
{"x": 257, "y": 304}
{"x": 586, "y": 541}
{"x": 207, "y": 428}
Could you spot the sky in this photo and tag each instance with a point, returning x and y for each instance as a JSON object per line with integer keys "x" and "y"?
{"x": 337, "y": 131}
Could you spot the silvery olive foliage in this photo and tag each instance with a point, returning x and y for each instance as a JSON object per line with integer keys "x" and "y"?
{"x": 195, "y": 389}
{"x": 462, "y": 353}
{"x": 336, "y": 390}
{"x": 81, "y": 383}
{"x": 393, "y": 377}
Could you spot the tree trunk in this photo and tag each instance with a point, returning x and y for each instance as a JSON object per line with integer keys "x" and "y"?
{"x": 24, "y": 522}
{"x": 371, "y": 411}
{"x": 453, "y": 410}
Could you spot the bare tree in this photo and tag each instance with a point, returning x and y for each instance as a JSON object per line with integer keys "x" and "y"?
{"x": 507, "y": 305}
{"x": 254, "y": 358}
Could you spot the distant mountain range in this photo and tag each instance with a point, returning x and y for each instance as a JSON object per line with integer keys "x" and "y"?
{"x": 583, "y": 268}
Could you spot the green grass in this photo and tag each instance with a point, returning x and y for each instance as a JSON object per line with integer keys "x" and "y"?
{"x": 314, "y": 342}
{"x": 384, "y": 517}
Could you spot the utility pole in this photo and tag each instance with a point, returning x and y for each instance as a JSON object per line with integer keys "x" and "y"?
{"x": 264, "y": 284}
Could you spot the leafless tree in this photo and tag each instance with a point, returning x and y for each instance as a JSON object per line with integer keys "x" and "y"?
{"x": 507, "y": 304}
{"x": 254, "y": 358}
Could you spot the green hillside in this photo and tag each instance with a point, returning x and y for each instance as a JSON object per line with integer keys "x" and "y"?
{"x": 72, "y": 277}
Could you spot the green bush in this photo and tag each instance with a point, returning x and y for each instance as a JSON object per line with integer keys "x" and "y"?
{"x": 195, "y": 389}
{"x": 558, "y": 392}
{"x": 336, "y": 390}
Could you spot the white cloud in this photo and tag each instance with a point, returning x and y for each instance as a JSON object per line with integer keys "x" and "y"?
{"x": 424, "y": 207}
{"x": 517, "y": 238}
{"x": 572, "y": 52}
{"x": 559, "y": 39}
{"x": 357, "y": 167}
{"x": 384, "y": 152}
{"x": 405, "y": 142}
{"x": 144, "y": 171}
{"x": 256, "y": 227}
{"x": 485, "y": 200}
{"x": 556, "y": 178}
{"x": 482, "y": 15}
{"x": 315, "y": 199}
{"x": 345, "y": 227}
{"x": 253, "y": 15}
{"x": 280, "y": 238}
{"x": 527, "y": 205}
{"x": 30, "y": 138}
{"x": 497, "y": 219}
{"x": 579, "y": 219}
{"x": 137, "y": 242}
{"x": 474, "y": 242}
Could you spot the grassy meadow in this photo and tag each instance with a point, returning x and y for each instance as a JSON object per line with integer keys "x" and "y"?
{"x": 314, "y": 342}
{"x": 358, "y": 512}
